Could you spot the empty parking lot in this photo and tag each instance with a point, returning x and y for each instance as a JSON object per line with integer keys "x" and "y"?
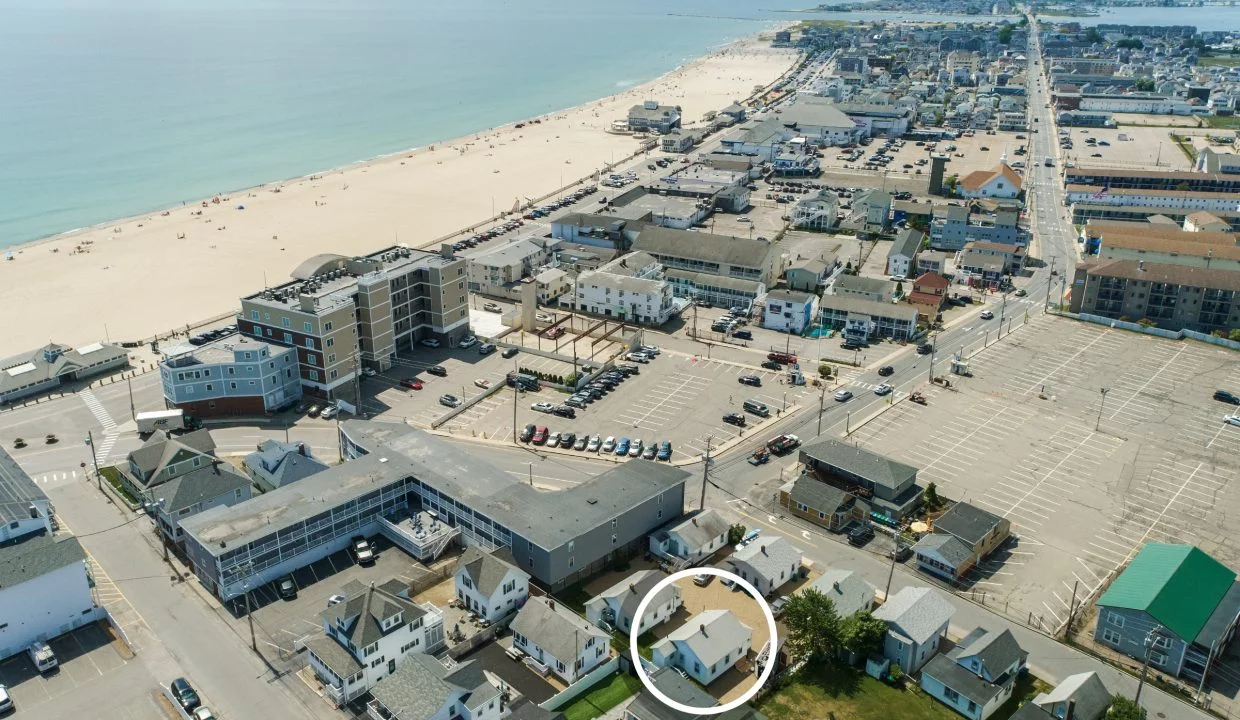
{"x": 1086, "y": 477}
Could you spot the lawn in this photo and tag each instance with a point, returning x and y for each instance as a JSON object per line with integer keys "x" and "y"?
{"x": 1220, "y": 60}
{"x": 605, "y": 696}
{"x": 113, "y": 476}
{"x": 832, "y": 691}
{"x": 1223, "y": 123}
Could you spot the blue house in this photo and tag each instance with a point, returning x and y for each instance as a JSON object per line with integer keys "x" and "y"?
{"x": 1184, "y": 600}
{"x": 977, "y": 676}
{"x": 917, "y": 619}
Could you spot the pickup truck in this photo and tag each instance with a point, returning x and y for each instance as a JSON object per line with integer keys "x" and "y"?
{"x": 783, "y": 444}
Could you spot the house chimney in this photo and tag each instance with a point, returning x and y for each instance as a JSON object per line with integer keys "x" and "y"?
{"x": 694, "y": 522}
{"x": 1141, "y": 265}
{"x": 633, "y": 588}
{"x": 763, "y": 549}
{"x": 301, "y": 448}
{"x": 702, "y": 627}
{"x": 551, "y": 603}
{"x": 1071, "y": 710}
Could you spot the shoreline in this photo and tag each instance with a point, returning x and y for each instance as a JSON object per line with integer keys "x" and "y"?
{"x": 194, "y": 259}
{"x": 712, "y": 51}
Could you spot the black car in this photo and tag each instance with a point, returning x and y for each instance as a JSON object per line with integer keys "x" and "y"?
{"x": 564, "y": 411}
{"x": 576, "y": 402}
{"x": 437, "y": 370}
{"x": 850, "y": 346}
{"x": 567, "y": 439}
{"x": 901, "y": 553}
{"x": 861, "y": 535}
{"x": 186, "y": 697}
{"x": 924, "y": 349}
{"x": 886, "y": 370}
{"x": 510, "y": 352}
{"x": 1227, "y": 397}
{"x": 742, "y": 335}
{"x": 752, "y": 380}
{"x": 772, "y": 365}
{"x": 287, "y": 588}
{"x": 734, "y": 419}
{"x": 527, "y": 433}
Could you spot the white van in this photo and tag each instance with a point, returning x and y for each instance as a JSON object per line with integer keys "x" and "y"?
{"x": 42, "y": 656}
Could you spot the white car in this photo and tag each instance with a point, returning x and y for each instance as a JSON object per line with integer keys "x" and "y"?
{"x": 329, "y": 412}
{"x": 843, "y": 395}
{"x": 543, "y": 317}
{"x": 431, "y": 343}
{"x": 482, "y": 383}
{"x": 1232, "y": 420}
{"x": 649, "y": 349}
{"x": 469, "y": 342}
{"x": 883, "y": 389}
{"x": 542, "y": 407}
{"x": 594, "y": 444}
{"x": 987, "y": 315}
{"x": 369, "y": 372}
{"x": 636, "y": 447}
{"x": 203, "y": 713}
{"x": 335, "y": 600}
{"x": 6, "y": 702}
{"x": 638, "y": 357}
{"x": 609, "y": 445}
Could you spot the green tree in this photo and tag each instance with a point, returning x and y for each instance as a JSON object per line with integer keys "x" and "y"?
{"x": 1234, "y": 335}
{"x": 814, "y": 627}
{"x": 1123, "y": 708}
{"x": 1145, "y": 85}
{"x": 1005, "y": 33}
{"x": 899, "y": 289}
{"x": 863, "y": 633}
{"x": 1092, "y": 36}
{"x": 1130, "y": 43}
{"x": 931, "y": 497}
{"x": 736, "y": 533}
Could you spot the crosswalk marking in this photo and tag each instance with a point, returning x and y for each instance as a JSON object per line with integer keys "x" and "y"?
{"x": 103, "y": 448}
{"x": 97, "y": 409}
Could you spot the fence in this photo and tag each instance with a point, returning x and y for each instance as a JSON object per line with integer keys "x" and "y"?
{"x": 1159, "y": 332}
{"x": 579, "y": 688}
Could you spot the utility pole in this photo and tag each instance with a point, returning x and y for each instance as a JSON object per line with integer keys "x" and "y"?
{"x": 515, "y": 385}
{"x": 90, "y": 442}
{"x": 822, "y": 397}
{"x": 705, "y": 473}
{"x": 1145, "y": 666}
{"x": 892, "y": 571}
{"x": 133, "y": 414}
{"x": 250, "y": 616}
{"x": 1067, "y": 628}
{"x": 1101, "y": 405}
{"x": 1048, "y": 283}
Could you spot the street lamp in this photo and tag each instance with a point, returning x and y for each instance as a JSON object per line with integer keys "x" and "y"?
{"x": 1151, "y": 640}
{"x": 90, "y": 443}
{"x": 1100, "y": 406}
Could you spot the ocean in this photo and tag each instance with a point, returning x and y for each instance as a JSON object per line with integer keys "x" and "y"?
{"x": 112, "y": 108}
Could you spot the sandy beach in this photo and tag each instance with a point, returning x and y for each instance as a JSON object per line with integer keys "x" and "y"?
{"x": 136, "y": 278}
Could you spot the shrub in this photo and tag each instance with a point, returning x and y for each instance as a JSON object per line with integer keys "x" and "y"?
{"x": 824, "y": 370}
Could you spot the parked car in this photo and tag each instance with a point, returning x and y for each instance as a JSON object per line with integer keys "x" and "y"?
{"x": 203, "y": 713}
{"x": 886, "y": 371}
{"x": 360, "y": 549}
{"x": 778, "y": 606}
{"x": 843, "y": 396}
{"x": 411, "y": 383}
{"x": 469, "y": 342}
{"x": 734, "y": 419}
{"x": 752, "y": 380}
{"x": 581, "y": 443}
{"x": 186, "y": 697}
{"x": 483, "y": 383}
{"x": 987, "y": 315}
{"x": 542, "y": 407}
{"x": 437, "y": 370}
{"x": 901, "y": 553}
{"x": 924, "y": 349}
{"x": 702, "y": 579}
{"x": 451, "y": 401}
{"x": 638, "y": 357}
{"x": 6, "y": 701}
{"x": 329, "y": 411}
{"x": 860, "y": 535}
{"x": 636, "y": 447}
{"x": 772, "y": 365}
{"x": 314, "y": 411}
{"x": 1232, "y": 420}
{"x": 527, "y": 433}
{"x": 609, "y": 445}
{"x": 510, "y": 353}
{"x": 594, "y": 443}
{"x": 486, "y": 349}
{"x": 622, "y": 447}
{"x": 540, "y": 435}
{"x": 782, "y": 358}
{"x": 650, "y": 349}
{"x": 742, "y": 334}
{"x": 369, "y": 372}
{"x": 42, "y": 657}
{"x": 576, "y": 401}
{"x": 492, "y": 307}
{"x": 567, "y": 439}
{"x": 431, "y": 343}
{"x": 287, "y": 587}
{"x": 564, "y": 411}
{"x": 650, "y": 451}
{"x": 1227, "y": 397}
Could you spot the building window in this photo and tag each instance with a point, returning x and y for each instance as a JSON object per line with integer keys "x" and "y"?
{"x": 1112, "y": 637}
{"x": 330, "y": 342}
{"x": 254, "y": 314}
{"x": 1116, "y": 620}
{"x": 327, "y": 326}
{"x": 285, "y": 323}
{"x": 314, "y": 374}
{"x": 334, "y": 373}
{"x": 307, "y": 327}
{"x": 210, "y": 387}
{"x": 331, "y": 358}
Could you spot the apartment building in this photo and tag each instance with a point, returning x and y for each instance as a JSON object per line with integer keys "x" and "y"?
{"x": 340, "y": 312}
{"x": 631, "y": 287}
{"x": 236, "y": 375}
{"x": 1151, "y": 179}
{"x": 1173, "y": 297}
{"x": 1160, "y": 199}
{"x": 498, "y": 271}
{"x": 754, "y": 262}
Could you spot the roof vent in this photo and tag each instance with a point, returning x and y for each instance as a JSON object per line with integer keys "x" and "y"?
{"x": 382, "y": 459}
{"x": 763, "y": 549}
{"x": 702, "y": 627}
{"x": 592, "y": 501}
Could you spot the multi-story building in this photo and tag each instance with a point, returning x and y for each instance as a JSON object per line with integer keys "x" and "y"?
{"x": 45, "y": 590}
{"x": 1172, "y": 297}
{"x": 990, "y": 262}
{"x": 368, "y": 635}
{"x": 393, "y": 471}
{"x": 650, "y": 115}
{"x": 1167, "y": 245}
{"x": 863, "y": 288}
{"x": 860, "y": 320}
{"x": 789, "y": 311}
{"x": 953, "y": 227}
{"x": 558, "y": 639}
{"x": 1209, "y": 161}
{"x": 1121, "y": 179}
{"x": 817, "y": 212}
{"x": 341, "y": 312}
{"x": 902, "y": 257}
{"x": 631, "y": 287}
{"x": 1131, "y": 103}
{"x": 44, "y": 369}
{"x": 236, "y": 375}
{"x": 497, "y": 271}
{"x": 756, "y": 262}
{"x": 886, "y": 485}
{"x": 1160, "y": 199}
{"x": 489, "y": 584}
{"x": 1000, "y": 182}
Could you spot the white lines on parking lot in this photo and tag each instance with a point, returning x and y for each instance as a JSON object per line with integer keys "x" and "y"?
{"x": 951, "y": 449}
{"x": 671, "y": 395}
{"x": 1141, "y": 391}
{"x": 1034, "y": 379}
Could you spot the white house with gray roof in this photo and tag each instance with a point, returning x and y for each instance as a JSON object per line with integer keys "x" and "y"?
{"x": 630, "y": 287}
{"x": 693, "y": 539}
{"x": 490, "y": 585}
{"x": 789, "y": 311}
{"x": 706, "y": 646}
{"x": 276, "y": 464}
{"x": 369, "y": 635}
{"x": 917, "y": 620}
{"x": 976, "y": 676}
{"x": 558, "y": 639}
{"x": 849, "y": 591}
{"x": 1076, "y": 697}
{"x": 44, "y": 587}
{"x": 617, "y": 605}
{"x": 767, "y": 564}
{"x": 651, "y": 116}
{"x": 423, "y": 688}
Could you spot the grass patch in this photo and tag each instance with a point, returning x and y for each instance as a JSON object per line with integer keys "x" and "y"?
{"x": 620, "y": 643}
{"x": 603, "y": 697}
{"x": 1027, "y": 688}
{"x": 1220, "y": 60}
{"x": 575, "y": 597}
{"x": 830, "y": 690}
{"x": 113, "y": 476}
{"x": 1230, "y": 122}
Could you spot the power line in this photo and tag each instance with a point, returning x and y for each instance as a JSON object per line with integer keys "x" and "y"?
{"x": 100, "y": 532}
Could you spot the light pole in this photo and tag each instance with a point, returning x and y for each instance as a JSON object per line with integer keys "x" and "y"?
{"x": 822, "y": 397}
{"x": 90, "y": 443}
{"x": 1100, "y": 406}
{"x": 1150, "y": 640}
{"x": 891, "y": 572}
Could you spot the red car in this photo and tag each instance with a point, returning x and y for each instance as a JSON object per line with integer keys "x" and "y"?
{"x": 783, "y": 358}
{"x": 540, "y": 435}
{"x": 412, "y": 383}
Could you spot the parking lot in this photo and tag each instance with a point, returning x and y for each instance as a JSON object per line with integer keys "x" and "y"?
{"x": 280, "y": 623}
{"x": 1145, "y": 148}
{"x": 93, "y": 673}
{"x": 1086, "y": 477}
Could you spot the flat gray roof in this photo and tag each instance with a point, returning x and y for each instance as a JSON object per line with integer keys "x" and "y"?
{"x": 397, "y": 451}
{"x": 17, "y": 490}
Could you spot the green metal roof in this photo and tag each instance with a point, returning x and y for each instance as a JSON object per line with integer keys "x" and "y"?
{"x": 1177, "y": 585}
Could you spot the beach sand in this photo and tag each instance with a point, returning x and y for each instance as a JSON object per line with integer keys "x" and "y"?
{"x": 145, "y": 276}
